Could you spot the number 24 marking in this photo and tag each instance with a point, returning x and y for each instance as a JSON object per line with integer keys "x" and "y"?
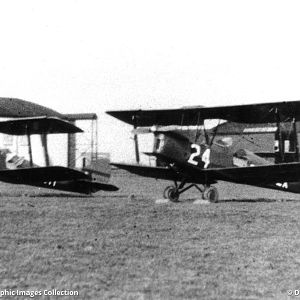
{"x": 195, "y": 154}
{"x": 205, "y": 156}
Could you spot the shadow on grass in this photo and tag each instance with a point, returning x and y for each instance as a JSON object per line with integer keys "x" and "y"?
{"x": 67, "y": 195}
{"x": 248, "y": 200}
{"x": 58, "y": 195}
{"x": 258, "y": 200}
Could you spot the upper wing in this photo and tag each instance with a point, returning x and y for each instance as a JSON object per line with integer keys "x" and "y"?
{"x": 41, "y": 174}
{"x": 257, "y": 175}
{"x": 17, "y": 108}
{"x": 37, "y": 125}
{"x": 250, "y": 113}
{"x": 165, "y": 117}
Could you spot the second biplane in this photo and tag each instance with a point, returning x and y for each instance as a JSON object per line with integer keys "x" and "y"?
{"x": 27, "y": 119}
{"x": 193, "y": 156}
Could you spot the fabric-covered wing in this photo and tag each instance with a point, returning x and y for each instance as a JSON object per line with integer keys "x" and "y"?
{"x": 41, "y": 174}
{"x": 82, "y": 186}
{"x": 257, "y": 175}
{"x": 147, "y": 171}
{"x": 37, "y": 125}
{"x": 58, "y": 178}
{"x": 142, "y": 118}
{"x": 17, "y": 108}
{"x": 250, "y": 113}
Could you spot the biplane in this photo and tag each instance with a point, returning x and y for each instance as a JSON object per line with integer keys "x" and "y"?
{"x": 27, "y": 119}
{"x": 256, "y": 144}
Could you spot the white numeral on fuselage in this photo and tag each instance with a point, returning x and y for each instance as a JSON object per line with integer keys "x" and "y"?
{"x": 205, "y": 156}
{"x": 283, "y": 185}
{"x": 195, "y": 154}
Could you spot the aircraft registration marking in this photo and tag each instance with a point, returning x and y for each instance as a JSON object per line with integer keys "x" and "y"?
{"x": 205, "y": 156}
{"x": 195, "y": 154}
{"x": 283, "y": 185}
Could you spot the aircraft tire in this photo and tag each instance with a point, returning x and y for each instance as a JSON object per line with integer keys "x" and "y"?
{"x": 173, "y": 194}
{"x": 211, "y": 194}
{"x": 166, "y": 191}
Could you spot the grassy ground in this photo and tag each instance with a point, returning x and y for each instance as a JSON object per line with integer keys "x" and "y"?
{"x": 112, "y": 246}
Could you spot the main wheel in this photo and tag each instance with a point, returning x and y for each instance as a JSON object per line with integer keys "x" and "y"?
{"x": 173, "y": 194}
{"x": 166, "y": 191}
{"x": 211, "y": 194}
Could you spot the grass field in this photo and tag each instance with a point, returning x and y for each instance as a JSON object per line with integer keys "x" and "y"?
{"x": 120, "y": 246}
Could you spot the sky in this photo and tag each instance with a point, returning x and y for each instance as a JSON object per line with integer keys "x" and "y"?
{"x": 79, "y": 56}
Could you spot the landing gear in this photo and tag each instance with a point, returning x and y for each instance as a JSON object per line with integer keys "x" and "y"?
{"x": 173, "y": 194}
{"x": 211, "y": 193}
{"x": 166, "y": 191}
{"x": 208, "y": 192}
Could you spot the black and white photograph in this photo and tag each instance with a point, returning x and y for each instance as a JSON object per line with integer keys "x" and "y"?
{"x": 149, "y": 149}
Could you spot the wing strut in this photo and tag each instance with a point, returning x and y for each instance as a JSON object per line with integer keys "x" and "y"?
{"x": 280, "y": 141}
{"x": 45, "y": 147}
{"x": 296, "y": 140}
{"x": 197, "y": 128}
{"x": 29, "y": 147}
{"x": 135, "y": 139}
{"x": 182, "y": 119}
{"x": 215, "y": 132}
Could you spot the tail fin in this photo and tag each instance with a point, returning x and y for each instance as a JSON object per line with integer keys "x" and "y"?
{"x": 99, "y": 169}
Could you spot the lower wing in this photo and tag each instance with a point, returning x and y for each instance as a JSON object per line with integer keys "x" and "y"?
{"x": 41, "y": 174}
{"x": 60, "y": 178}
{"x": 147, "y": 171}
{"x": 256, "y": 175}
